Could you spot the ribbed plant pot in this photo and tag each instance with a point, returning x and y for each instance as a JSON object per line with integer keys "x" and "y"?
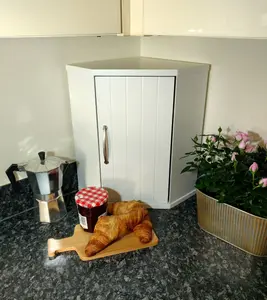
{"x": 232, "y": 225}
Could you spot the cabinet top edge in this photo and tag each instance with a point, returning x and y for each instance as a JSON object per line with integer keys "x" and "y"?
{"x": 141, "y": 63}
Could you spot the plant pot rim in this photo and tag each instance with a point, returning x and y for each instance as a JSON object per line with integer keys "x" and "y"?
{"x": 254, "y": 216}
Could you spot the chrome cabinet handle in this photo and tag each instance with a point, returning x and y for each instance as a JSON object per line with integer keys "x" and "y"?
{"x": 105, "y": 144}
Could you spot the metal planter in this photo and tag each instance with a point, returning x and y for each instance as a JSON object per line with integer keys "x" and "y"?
{"x": 232, "y": 225}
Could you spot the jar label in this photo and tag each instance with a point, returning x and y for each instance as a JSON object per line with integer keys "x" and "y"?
{"x": 83, "y": 221}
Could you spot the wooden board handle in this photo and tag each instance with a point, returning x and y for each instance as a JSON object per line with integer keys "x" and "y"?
{"x": 58, "y": 246}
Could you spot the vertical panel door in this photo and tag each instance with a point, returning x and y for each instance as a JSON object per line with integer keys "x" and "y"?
{"x": 137, "y": 113}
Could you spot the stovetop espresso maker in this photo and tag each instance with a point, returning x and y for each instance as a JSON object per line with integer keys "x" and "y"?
{"x": 45, "y": 176}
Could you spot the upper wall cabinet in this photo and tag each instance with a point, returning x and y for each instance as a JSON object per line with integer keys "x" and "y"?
{"x": 210, "y": 18}
{"x": 133, "y": 17}
{"x": 28, "y": 18}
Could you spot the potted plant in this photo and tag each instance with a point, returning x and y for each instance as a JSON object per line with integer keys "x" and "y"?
{"x": 232, "y": 188}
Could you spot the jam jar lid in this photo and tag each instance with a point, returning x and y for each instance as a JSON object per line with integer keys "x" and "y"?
{"x": 91, "y": 197}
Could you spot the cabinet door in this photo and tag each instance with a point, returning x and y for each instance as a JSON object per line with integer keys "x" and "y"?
{"x": 132, "y": 17}
{"x": 138, "y": 114}
{"x": 228, "y": 18}
{"x": 59, "y": 17}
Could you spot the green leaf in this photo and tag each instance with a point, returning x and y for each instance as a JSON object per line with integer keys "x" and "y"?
{"x": 196, "y": 143}
{"x": 189, "y": 153}
{"x": 192, "y": 164}
{"x": 255, "y": 210}
{"x": 186, "y": 169}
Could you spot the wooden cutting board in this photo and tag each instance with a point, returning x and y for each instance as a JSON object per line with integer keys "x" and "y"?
{"x": 80, "y": 238}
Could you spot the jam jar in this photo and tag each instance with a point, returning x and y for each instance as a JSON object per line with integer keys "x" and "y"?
{"x": 91, "y": 204}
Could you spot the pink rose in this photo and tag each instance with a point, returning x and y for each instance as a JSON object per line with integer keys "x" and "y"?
{"x": 263, "y": 182}
{"x": 242, "y": 145}
{"x": 241, "y": 136}
{"x": 238, "y": 136}
{"x": 245, "y": 137}
{"x": 254, "y": 167}
{"x": 233, "y": 156}
{"x": 250, "y": 148}
{"x": 213, "y": 139}
{"x": 265, "y": 142}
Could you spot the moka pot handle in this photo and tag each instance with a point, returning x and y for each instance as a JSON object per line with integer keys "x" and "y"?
{"x": 11, "y": 176}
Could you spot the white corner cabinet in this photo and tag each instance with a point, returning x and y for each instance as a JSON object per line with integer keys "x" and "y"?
{"x": 132, "y": 121}
{"x": 37, "y": 18}
{"x": 206, "y": 18}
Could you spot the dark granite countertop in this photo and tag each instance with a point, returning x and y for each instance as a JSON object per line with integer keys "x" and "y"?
{"x": 186, "y": 264}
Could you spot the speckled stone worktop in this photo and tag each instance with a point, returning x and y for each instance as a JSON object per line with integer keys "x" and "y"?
{"x": 186, "y": 264}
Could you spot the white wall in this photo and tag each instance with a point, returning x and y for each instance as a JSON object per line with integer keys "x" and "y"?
{"x": 34, "y": 102}
{"x": 237, "y": 96}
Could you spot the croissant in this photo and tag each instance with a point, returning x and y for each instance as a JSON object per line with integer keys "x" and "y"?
{"x": 144, "y": 230}
{"x": 111, "y": 228}
{"x": 123, "y": 207}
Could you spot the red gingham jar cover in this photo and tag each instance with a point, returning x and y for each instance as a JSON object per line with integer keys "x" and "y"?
{"x": 91, "y": 197}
